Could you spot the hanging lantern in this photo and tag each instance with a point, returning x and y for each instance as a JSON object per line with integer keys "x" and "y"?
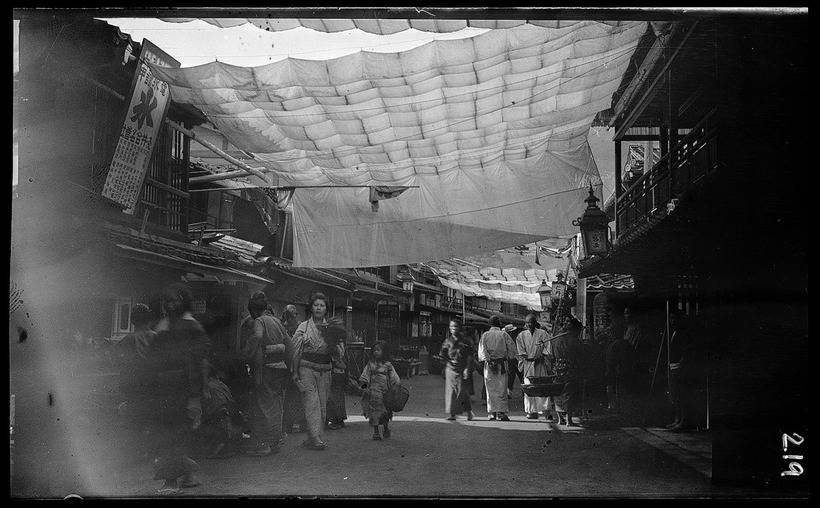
{"x": 544, "y": 292}
{"x": 407, "y": 281}
{"x": 594, "y": 226}
{"x": 559, "y": 287}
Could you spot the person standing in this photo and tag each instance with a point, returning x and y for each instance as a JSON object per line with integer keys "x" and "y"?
{"x": 336, "y": 411}
{"x": 532, "y": 350}
{"x": 495, "y": 349}
{"x": 638, "y": 375}
{"x": 616, "y": 359}
{"x": 266, "y": 350}
{"x": 376, "y": 379}
{"x": 312, "y": 370}
{"x": 458, "y": 352}
{"x": 682, "y": 373}
{"x": 566, "y": 355}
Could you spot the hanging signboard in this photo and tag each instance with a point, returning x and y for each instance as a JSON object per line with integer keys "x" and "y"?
{"x": 581, "y": 301}
{"x": 149, "y": 101}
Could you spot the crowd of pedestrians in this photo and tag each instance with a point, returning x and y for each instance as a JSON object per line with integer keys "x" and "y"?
{"x": 287, "y": 376}
{"x": 620, "y": 358}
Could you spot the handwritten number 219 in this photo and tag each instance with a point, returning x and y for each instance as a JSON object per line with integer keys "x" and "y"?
{"x": 795, "y": 468}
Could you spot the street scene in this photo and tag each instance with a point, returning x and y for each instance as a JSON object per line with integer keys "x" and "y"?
{"x": 411, "y": 253}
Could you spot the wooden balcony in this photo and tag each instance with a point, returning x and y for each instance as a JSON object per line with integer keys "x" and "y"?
{"x": 691, "y": 160}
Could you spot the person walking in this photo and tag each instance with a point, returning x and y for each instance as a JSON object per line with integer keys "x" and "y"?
{"x": 513, "y": 371}
{"x": 458, "y": 351}
{"x": 134, "y": 354}
{"x": 180, "y": 334}
{"x": 376, "y": 379}
{"x": 312, "y": 369}
{"x": 495, "y": 348}
{"x": 566, "y": 357}
{"x": 532, "y": 350}
{"x": 266, "y": 350}
{"x": 294, "y": 412}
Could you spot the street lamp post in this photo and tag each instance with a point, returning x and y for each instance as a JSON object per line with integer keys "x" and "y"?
{"x": 594, "y": 226}
{"x": 544, "y": 292}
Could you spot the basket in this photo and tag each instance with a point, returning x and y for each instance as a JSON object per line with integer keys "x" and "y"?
{"x": 396, "y": 398}
{"x": 544, "y": 390}
{"x": 544, "y": 386}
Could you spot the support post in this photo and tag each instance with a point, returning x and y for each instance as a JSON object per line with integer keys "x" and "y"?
{"x": 618, "y": 184}
{"x": 664, "y": 139}
{"x": 348, "y": 319}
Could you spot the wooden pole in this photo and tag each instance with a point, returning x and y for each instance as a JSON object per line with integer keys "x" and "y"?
{"x": 246, "y": 170}
{"x": 668, "y": 352}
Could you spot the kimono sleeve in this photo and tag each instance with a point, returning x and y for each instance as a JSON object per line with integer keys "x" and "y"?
{"x": 444, "y": 352}
{"x": 394, "y": 376}
{"x": 521, "y": 350}
{"x": 298, "y": 337}
{"x": 520, "y": 347}
{"x": 252, "y": 333}
{"x": 365, "y": 376}
{"x": 509, "y": 344}
{"x": 482, "y": 349}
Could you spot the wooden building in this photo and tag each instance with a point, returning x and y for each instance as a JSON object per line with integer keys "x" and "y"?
{"x": 716, "y": 227}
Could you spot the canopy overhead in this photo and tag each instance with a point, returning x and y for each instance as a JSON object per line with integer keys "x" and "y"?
{"x": 491, "y": 129}
{"x": 379, "y": 26}
{"x": 501, "y": 276}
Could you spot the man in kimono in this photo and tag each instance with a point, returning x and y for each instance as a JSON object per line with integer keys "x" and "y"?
{"x": 495, "y": 349}
{"x": 533, "y": 350}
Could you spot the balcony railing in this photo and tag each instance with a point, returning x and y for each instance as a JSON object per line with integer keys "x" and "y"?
{"x": 692, "y": 159}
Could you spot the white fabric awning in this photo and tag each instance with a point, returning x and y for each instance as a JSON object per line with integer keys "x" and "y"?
{"x": 521, "y": 293}
{"x": 492, "y": 129}
{"x": 378, "y": 26}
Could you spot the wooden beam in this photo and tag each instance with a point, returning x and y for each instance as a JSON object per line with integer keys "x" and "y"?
{"x": 643, "y": 102}
{"x": 167, "y": 188}
{"x": 236, "y": 162}
{"x": 640, "y": 137}
{"x": 641, "y": 75}
{"x": 664, "y": 141}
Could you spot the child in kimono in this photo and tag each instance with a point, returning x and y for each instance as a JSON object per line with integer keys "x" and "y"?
{"x": 376, "y": 379}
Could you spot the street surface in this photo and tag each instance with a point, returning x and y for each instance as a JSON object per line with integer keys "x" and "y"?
{"x": 97, "y": 453}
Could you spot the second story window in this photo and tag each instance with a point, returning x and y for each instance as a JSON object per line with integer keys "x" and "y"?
{"x": 163, "y": 195}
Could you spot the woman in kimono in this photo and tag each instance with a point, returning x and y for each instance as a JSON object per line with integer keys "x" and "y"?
{"x": 458, "y": 351}
{"x": 312, "y": 369}
{"x": 376, "y": 379}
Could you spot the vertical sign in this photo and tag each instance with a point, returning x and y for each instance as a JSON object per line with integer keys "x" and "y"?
{"x": 581, "y": 301}
{"x": 150, "y": 98}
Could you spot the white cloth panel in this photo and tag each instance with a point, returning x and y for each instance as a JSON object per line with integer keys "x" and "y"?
{"x": 492, "y": 129}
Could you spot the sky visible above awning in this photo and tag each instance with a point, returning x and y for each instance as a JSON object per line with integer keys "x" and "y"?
{"x": 489, "y": 132}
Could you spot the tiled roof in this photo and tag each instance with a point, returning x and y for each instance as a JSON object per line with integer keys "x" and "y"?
{"x": 130, "y": 237}
{"x": 244, "y": 250}
{"x": 604, "y": 281}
